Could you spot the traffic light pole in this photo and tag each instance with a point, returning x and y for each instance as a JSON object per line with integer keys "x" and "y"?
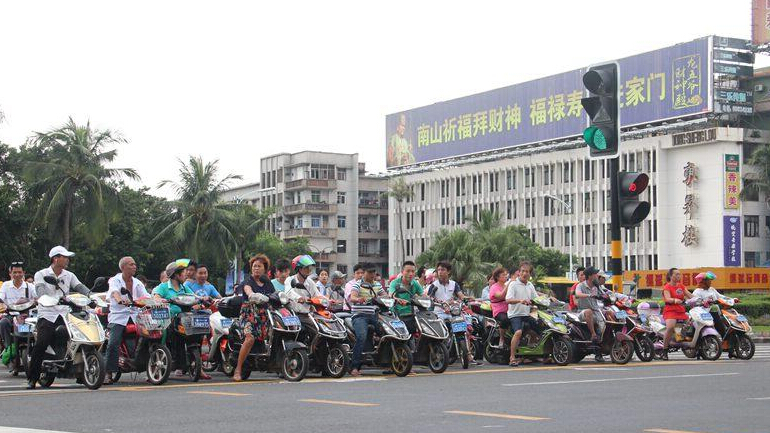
{"x": 616, "y": 247}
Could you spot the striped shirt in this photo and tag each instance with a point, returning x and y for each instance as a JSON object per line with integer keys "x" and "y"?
{"x": 367, "y": 294}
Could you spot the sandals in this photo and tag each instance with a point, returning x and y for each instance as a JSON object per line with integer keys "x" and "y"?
{"x": 514, "y": 363}
{"x": 237, "y": 377}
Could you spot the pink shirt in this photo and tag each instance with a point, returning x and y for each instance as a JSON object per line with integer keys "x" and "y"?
{"x": 498, "y": 306}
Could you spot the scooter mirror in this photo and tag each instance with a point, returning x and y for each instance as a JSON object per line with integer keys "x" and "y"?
{"x": 51, "y": 280}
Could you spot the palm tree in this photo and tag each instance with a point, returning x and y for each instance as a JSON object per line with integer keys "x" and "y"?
{"x": 247, "y": 222}
{"x": 200, "y": 224}
{"x": 758, "y": 181}
{"x": 73, "y": 183}
{"x": 400, "y": 191}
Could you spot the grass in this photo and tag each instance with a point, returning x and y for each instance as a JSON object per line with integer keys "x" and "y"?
{"x": 761, "y": 329}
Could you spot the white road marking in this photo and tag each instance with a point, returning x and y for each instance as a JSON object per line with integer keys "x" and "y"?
{"x": 619, "y": 379}
{"x": 601, "y": 369}
{"x": 759, "y": 398}
{"x": 26, "y": 430}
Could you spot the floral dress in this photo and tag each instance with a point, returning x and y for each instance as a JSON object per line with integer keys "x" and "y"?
{"x": 254, "y": 318}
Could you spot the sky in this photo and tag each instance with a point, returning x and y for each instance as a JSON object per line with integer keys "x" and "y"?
{"x": 237, "y": 81}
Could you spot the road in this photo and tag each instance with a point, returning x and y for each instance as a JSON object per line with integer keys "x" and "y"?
{"x": 678, "y": 396}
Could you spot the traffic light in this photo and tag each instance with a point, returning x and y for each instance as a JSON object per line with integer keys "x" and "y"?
{"x": 603, "y": 132}
{"x": 631, "y": 211}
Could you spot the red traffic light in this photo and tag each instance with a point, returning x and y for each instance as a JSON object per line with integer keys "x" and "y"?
{"x": 633, "y": 184}
{"x": 632, "y": 188}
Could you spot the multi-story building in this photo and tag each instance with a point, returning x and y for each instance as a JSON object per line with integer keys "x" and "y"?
{"x": 532, "y": 169}
{"x": 327, "y": 198}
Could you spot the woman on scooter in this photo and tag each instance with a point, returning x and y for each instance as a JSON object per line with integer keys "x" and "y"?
{"x": 704, "y": 290}
{"x": 497, "y": 293}
{"x": 674, "y": 296}
{"x": 254, "y": 317}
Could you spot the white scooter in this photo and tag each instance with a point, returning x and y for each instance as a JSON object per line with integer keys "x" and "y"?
{"x": 695, "y": 336}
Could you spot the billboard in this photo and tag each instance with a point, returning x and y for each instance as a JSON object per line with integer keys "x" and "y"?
{"x": 731, "y": 232}
{"x": 663, "y": 84}
{"x": 760, "y": 22}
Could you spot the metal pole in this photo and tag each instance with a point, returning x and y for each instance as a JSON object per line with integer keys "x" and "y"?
{"x": 616, "y": 248}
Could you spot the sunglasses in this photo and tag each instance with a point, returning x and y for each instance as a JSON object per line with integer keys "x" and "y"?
{"x": 17, "y": 264}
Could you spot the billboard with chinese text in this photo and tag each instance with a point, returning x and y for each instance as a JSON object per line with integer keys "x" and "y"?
{"x": 668, "y": 83}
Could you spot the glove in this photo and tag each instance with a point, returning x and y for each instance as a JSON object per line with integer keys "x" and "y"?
{"x": 258, "y": 298}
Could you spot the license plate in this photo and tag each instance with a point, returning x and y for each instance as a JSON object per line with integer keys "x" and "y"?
{"x": 459, "y": 326}
{"x": 200, "y": 322}
{"x": 706, "y": 316}
{"x": 226, "y": 323}
{"x": 24, "y": 327}
{"x": 742, "y": 318}
{"x": 159, "y": 313}
{"x": 291, "y": 321}
{"x": 559, "y": 320}
{"x": 398, "y": 324}
{"x": 621, "y": 315}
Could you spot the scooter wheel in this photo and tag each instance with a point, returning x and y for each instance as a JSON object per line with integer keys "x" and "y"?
{"x": 93, "y": 369}
{"x": 644, "y": 348}
{"x": 622, "y": 351}
{"x": 710, "y": 347}
{"x": 46, "y": 380}
{"x": 295, "y": 365}
{"x": 158, "y": 365}
{"x": 563, "y": 351}
{"x": 401, "y": 359}
{"x": 337, "y": 362}
{"x": 438, "y": 357}
{"x": 744, "y": 347}
{"x": 194, "y": 368}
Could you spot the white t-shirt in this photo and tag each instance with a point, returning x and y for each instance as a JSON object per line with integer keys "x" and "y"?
{"x": 443, "y": 293}
{"x": 9, "y": 294}
{"x": 120, "y": 313}
{"x": 310, "y": 291}
{"x": 710, "y": 294}
{"x": 67, "y": 282}
{"x": 519, "y": 290}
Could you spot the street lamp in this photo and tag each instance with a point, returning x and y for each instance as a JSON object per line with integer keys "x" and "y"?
{"x": 568, "y": 208}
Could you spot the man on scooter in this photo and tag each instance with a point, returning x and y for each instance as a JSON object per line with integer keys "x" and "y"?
{"x": 587, "y": 294}
{"x": 51, "y": 317}
{"x": 10, "y": 292}
{"x": 519, "y": 298}
{"x": 121, "y": 309}
{"x": 444, "y": 289}
{"x": 364, "y": 314}
{"x": 300, "y": 289}
{"x": 402, "y": 289}
{"x": 337, "y": 292}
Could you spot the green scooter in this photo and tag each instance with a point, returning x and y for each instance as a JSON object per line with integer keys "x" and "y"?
{"x": 549, "y": 339}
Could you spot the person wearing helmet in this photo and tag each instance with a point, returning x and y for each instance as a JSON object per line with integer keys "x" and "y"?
{"x": 174, "y": 286}
{"x": 51, "y": 317}
{"x": 704, "y": 290}
{"x": 300, "y": 289}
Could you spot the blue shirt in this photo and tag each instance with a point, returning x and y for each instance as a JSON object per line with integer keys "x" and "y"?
{"x": 277, "y": 284}
{"x": 166, "y": 291}
{"x": 205, "y": 289}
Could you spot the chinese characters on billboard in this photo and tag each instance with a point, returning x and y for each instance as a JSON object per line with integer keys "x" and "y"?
{"x": 732, "y": 181}
{"x": 654, "y": 86}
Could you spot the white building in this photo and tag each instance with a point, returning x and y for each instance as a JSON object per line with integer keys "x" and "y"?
{"x": 517, "y": 184}
{"x": 327, "y": 198}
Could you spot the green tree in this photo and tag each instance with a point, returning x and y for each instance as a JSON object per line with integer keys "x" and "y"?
{"x": 757, "y": 181}
{"x": 73, "y": 182}
{"x": 199, "y": 224}
{"x": 274, "y": 248}
{"x": 247, "y": 222}
{"x": 400, "y": 191}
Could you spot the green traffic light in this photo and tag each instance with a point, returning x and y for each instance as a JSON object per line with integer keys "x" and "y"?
{"x": 595, "y": 138}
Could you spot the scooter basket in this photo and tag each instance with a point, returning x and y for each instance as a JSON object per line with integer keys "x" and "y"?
{"x": 152, "y": 320}
{"x": 194, "y": 323}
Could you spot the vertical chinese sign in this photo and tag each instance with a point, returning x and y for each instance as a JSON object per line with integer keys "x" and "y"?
{"x": 690, "y": 234}
{"x": 732, "y": 240}
{"x": 760, "y": 22}
{"x": 732, "y": 181}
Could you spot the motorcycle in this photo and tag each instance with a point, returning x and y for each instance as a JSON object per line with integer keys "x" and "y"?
{"x": 551, "y": 337}
{"x": 695, "y": 337}
{"x": 614, "y": 341}
{"x": 186, "y": 335}
{"x": 388, "y": 343}
{"x": 75, "y": 353}
{"x": 142, "y": 348}
{"x": 280, "y": 352}
{"x": 734, "y": 329}
{"x": 220, "y": 322}
{"x": 22, "y": 332}
{"x": 636, "y": 327}
{"x": 461, "y": 329}
{"x": 327, "y": 340}
{"x": 428, "y": 342}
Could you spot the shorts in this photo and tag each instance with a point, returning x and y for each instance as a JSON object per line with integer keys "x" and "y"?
{"x": 598, "y": 319}
{"x": 521, "y": 323}
{"x": 503, "y": 321}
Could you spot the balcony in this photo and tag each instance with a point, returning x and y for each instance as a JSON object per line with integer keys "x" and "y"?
{"x": 372, "y": 203}
{"x": 372, "y": 233}
{"x": 373, "y": 256}
{"x": 325, "y": 257}
{"x": 312, "y": 232}
{"x": 310, "y": 183}
{"x": 310, "y": 207}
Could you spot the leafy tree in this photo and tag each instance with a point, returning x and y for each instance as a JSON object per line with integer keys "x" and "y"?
{"x": 400, "y": 191}
{"x": 757, "y": 181}
{"x": 73, "y": 182}
{"x": 274, "y": 248}
{"x": 199, "y": 224}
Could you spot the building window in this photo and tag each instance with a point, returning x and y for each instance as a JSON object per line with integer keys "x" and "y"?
{"x": 342, "y": 246}
{"x": 422, "y": 191}
{"x": 340, "y": 197}
{"x": 533, "y": 235}
{"x": 588, "y": 238}
{"x": 511, "y": 213}
{"x": 476, "y": 184}
{"x": 341, "y": 221}
{"x": 315, "y": 196}
{"x": 654, "y": 195}
{"x": 510, "y": 179}
{"x": 568, "y": 240}
{"x": 586, "y": 202}
{"x": 315, "y": 221}
{"x": 547, "y": 177}
{"x": 475, "y": 212}
{"x": 342, "y": 268}
{"x": 750, "y": 259}
{"x": 322, "y": 171}
{"x": 548, "y": 237}
{"x": 751, "y": 226}
{"x": 342, "y": 174}
{"x": 529, "y": 177}
{"x": 528, "y": 208}
{"x": 568, "y": 173}
{"x": 422, "y": 245}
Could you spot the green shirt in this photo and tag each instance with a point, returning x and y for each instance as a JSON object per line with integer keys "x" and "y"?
{"x": 414, "y": 289}
{"x": 166, "y": 291}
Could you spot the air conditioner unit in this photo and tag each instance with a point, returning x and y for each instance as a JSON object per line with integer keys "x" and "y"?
{"x": 759, "y": 87}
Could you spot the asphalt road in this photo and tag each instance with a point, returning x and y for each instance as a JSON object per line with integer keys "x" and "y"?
{"x": 678, "y": 396}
